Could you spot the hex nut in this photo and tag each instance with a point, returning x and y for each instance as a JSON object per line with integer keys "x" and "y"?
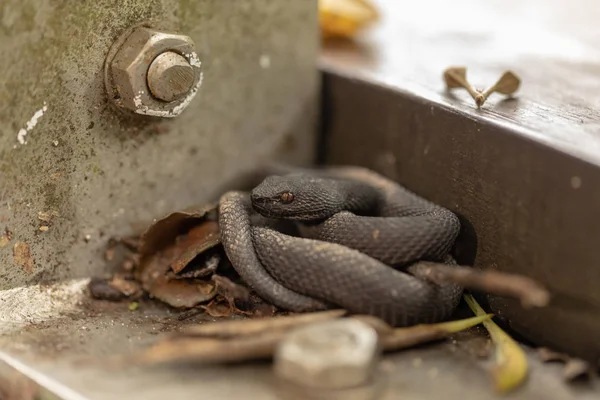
{"x": 128, "y": 64}
{"x": 334, "y": 354}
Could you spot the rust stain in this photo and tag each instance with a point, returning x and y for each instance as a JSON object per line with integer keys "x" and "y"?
{"x": 22, "y": 256}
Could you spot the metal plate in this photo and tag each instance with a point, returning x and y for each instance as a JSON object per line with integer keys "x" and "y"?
{"x": 521, "y": 173}
{"x": 65, "y": 150}
{"x": 68, "y": 356}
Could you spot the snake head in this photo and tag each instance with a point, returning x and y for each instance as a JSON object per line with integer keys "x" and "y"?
{"x": 297, "y": 197}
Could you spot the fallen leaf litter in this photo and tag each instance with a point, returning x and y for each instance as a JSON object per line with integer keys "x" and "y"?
{"x": 179, "y": 260}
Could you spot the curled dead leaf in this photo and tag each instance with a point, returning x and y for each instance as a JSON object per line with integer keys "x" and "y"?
{"x": 199, "y": 239}
{"x": 203, "y": 266}
{"x": 163, "y": 232}
{"x": 167, "y": 248}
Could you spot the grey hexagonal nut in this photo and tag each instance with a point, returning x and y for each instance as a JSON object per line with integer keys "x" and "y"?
{"x": 334, "y": 354}
{"x": 127, "y": 65}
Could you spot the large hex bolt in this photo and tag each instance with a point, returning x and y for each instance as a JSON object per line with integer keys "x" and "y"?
{"x": 335, "y": 354}
{"x": 152, "y": 72}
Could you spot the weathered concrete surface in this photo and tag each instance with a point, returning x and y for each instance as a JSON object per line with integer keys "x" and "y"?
{"x": 68, "y": 355}
{"x": 104, "y": 173}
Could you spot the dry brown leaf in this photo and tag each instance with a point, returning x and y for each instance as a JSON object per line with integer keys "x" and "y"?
{"x": 154, "y": 267}
{"x": 158, "y": 248}
{"x": 218, "y": 308}
{"x": 230, "y": 290}
{"x": 182, "y": 294}
{"x": 199, "y": 239}
{"x": 4, "y": 241}
{"x": 163, "y": 232}
{"x": 202, "y": 267}
{"x": 22, "y": 256}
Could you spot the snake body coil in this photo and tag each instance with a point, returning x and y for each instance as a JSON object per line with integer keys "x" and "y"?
{"x": 355, "y": 226}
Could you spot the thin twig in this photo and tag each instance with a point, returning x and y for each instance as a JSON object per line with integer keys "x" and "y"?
{"x": 528, "y": 291}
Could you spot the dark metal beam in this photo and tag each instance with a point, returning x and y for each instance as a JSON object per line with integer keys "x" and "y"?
{"x": 526, "y": 207}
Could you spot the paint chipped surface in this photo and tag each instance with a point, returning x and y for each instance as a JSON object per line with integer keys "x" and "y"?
{"x": 21, "y": 135}
{"x": 194, "y": 60}
{"x": 137, "y": 100}
{"x": 35, "y": 304}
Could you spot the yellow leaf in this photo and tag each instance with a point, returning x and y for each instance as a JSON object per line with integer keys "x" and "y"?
{"x": 344, "y": 18}
{"x": 511, "y": 366}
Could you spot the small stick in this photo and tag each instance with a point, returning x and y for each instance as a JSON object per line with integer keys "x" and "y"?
{"x": 456, "y": 77}
{"x": 528, "y": 291}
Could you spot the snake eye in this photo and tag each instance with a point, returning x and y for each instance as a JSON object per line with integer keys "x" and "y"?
{"x": 286, "y": 197}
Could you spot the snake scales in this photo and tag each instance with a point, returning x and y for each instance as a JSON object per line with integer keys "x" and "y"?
{"x": 359, "y": 236}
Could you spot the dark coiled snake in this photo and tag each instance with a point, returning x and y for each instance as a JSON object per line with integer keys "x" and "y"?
{"x": 359, "y": 234}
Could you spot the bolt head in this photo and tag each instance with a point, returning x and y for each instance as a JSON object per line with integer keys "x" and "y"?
{"x": 142, "y": 52}
{"x": 334, "y": 354}
{"x": 170, "y": 76}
